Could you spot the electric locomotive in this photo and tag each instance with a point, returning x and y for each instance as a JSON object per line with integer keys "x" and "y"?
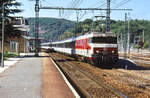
{"x": 97, "y": 47}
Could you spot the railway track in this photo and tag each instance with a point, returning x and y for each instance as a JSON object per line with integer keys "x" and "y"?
{"x": 123, "y": 81}
{"x": 143, "y": 63}
{"x": 139, "y": 59}
{"x": 100, "y": 82}
{"x": 95, "y": 88}
{"x": 144, "y": 60}
{"x": 144, "y": 78}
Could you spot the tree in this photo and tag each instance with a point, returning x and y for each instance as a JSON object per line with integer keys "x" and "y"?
{"x": 88, "y": 21}
{"x": 9, "y": 10}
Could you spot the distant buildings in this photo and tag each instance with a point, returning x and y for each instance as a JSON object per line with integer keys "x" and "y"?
{"x": 31, "y": 41}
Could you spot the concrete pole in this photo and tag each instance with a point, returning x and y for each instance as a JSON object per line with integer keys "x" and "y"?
{"x": 3, "y": 30}
{"x": 128, "y": 36}
{"x": 108, "y": 16}
{"x": 37, "y": 28}
{"x": 143, "y": 35}
{"x": 125, "y": 37}
{"x": 121, "y": 45}
{"x": 149, "y": 43}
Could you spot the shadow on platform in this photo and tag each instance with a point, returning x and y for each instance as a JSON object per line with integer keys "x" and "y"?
{"x": 29, "y": 56}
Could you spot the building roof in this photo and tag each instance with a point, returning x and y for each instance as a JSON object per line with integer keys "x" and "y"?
{"x": 32, "y": 38}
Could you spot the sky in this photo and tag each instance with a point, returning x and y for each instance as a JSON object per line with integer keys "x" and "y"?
{"x": 140, "y": 9}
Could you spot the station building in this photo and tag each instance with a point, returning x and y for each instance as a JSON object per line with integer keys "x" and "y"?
{"x": 18, "y": 44}
{"x": 23, "y": 43}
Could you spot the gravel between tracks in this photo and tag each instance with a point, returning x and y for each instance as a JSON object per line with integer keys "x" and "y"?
{"x": 123, "y": 81}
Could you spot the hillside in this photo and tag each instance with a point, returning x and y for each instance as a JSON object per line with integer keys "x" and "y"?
{"x": 57, "y": 29}
{"x": 51, "y": 28}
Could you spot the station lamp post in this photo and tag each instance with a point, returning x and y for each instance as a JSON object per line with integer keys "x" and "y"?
{"x": 3, "y": 29}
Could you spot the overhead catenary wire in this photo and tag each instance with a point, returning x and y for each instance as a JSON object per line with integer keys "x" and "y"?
{"x": 103, "y": 4}
{"x": 112, "y": 1}
{"x": 97, "y": 3}
{"x": 73, "y": 4}
{"x": 47, "y": 2}
{"x": 123, "y": 2}
{"x": 88, "y": 12}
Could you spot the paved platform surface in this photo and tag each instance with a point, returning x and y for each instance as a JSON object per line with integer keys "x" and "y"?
{"x": 33, "y": 77}
{"x": 54, "y": 85}
{"x": 23, "y": 80}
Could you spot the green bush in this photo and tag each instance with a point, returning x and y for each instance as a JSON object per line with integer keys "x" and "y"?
{"x": 8, "y": 55}
{"x": 136, "y": 46}
{"x": 146, "y": 44}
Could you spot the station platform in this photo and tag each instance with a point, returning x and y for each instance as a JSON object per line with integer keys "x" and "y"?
{"x": 34, "y": 77}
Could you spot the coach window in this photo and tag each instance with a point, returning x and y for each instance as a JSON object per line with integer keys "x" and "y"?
{"x": 57, "y": 45}
{"x": 60, "y": 45}
{"x": 69, "y": 44}
{"x": 66, "y": 45}
{"x": 63, "y": 45}
{"x": 74, "y": 43}
{"x": 90, "y": 40}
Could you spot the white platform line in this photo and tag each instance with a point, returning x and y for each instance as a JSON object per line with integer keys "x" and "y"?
{"x": 67, "y": 82}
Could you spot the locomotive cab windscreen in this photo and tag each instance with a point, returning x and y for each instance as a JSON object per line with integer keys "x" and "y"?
{"x": 103, "y": 40}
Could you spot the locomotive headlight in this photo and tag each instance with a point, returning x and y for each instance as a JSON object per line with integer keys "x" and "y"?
{"x": 97, "y": 51}
{"x": 113, "y": 51}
